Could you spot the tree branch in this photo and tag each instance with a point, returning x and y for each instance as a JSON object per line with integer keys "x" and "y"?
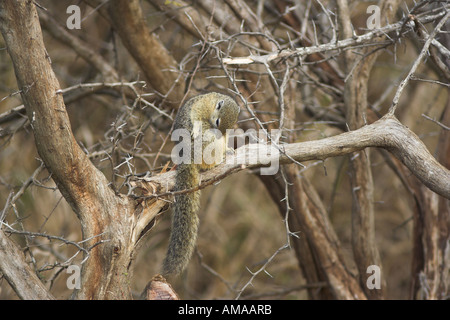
{"x": 416, "y": 64}
{"x": 71, "y": 169}
{"x": 155, "y": 61}
{"x": 387, "y": 133}
{"x": 358, "y": 71}
{"x": 83, "y": 186}
{"x": 109, "y": 74}
{"x": 17, "y": 272}
{"x": 349, "y": 43}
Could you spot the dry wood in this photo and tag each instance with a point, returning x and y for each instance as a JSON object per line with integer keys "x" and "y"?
{"x": 114, "y": 224}
{"x": 157, "y": 64}
{"x": 17, "y": 272}
{"x": 387, "y": 133}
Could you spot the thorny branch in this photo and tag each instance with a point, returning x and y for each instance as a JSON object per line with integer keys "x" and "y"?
{"x": 416, "y": 64}
{"x": 347, "y": 44}
{"x": 77, "y": 245}
{"x": 267, "y": 64}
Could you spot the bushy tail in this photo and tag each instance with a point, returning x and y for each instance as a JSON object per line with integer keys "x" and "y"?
{"x": 185, "y": 221}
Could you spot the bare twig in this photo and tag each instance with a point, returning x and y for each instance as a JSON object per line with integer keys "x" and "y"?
{"x": 350, "y": 43}
{"x": 443, "y": 126}
{"x": 17, "y": 272}
{"x": 417, "y": 63}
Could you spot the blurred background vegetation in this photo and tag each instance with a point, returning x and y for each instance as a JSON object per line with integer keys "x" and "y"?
{"x": 240, "y": 227}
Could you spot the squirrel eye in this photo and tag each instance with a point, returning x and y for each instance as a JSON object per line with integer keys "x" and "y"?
{"x": 219, "y": 104}
{"x": 217, "y": 122}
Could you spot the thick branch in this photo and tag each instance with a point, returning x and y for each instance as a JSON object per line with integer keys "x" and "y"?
{"x": 387, "y": 133}
{"x": 109, "y": 74}
{"x": 155, "y": 61}
{"x": 358, "y": 72}
{"x": 17, "y": 272}
{"x": 84, "y": 187}
{"x": 71, "y": 169}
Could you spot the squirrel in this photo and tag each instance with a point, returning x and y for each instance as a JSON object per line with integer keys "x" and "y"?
{"x": 205, "y": 117}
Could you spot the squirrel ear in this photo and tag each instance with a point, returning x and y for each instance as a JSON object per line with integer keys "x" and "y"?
{"x": 219, "y": 104}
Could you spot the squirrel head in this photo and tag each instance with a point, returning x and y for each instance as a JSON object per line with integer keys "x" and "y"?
{"x": 224, "y": 111}
{"x": 215, "y": 110}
